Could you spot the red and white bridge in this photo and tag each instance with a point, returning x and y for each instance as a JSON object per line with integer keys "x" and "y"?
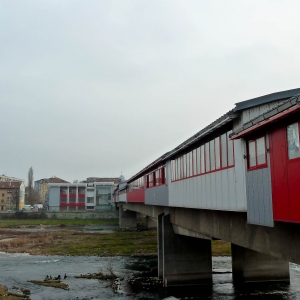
{"x": 238, "y": 179}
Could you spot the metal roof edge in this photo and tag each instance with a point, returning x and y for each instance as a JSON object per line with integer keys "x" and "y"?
{"x": 266, "y": 99}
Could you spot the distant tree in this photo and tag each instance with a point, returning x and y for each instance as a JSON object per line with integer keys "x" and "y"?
{"x": 16, "y": 198}
{"x": 30, "y": 180}
{"x": 75, "y": 181}
{"x": 32, "y": 195}
{"x": 33, "y": 198}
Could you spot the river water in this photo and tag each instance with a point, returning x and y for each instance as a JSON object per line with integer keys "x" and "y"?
{"x": 16, "y": 269}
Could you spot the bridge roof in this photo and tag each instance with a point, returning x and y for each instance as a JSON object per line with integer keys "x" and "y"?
{"x": 223, "y": 120}
{"x": 280, "y": 111}
{"x": 266, "y": 99}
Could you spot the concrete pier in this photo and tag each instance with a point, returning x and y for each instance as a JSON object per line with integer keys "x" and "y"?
{"x": 127, "y": 218}
{"x": 252, "y": 266}
{"x": 186, "y": 261}
{"x": 151, "y": 223}
{"x": 160, "y": 247}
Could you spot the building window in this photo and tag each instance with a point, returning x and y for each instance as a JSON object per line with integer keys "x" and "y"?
{"x": 293, "y": 141}
{"x": 90, "y": 200}
{"x": 257, "y": 156}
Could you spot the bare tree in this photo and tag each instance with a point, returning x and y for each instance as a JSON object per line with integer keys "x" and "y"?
{"x": 30, "y": 180}
{"x": 32, "y": 195}
{"x": 16, "y": 198}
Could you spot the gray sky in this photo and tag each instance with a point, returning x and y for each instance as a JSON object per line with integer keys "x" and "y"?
{"x": 93, "y": 88}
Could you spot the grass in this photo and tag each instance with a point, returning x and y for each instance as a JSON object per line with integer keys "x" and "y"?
{"x": 66, "y": 242}
{"x": 221, "y": 248}
{"x": 69, "y": 242}
{"x": 56, "y": 222}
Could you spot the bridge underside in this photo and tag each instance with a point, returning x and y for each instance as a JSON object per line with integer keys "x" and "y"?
{"x": 258, "y": 253}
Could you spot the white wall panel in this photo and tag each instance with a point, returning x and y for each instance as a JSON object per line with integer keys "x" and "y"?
{"x": 184, "y": 194}
{"x": 240, "y": 174}
{"x": 123, "y": 197}
{"x": 213, "y": 189}
{"x": 231, "y": 190}
{"x": 224, "y": 190}
{"x": 218, "y": 186}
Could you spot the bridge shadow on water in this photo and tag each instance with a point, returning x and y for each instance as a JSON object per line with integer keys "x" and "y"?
{"x": 251, "y": 291}
{"x": 265, "y": 290}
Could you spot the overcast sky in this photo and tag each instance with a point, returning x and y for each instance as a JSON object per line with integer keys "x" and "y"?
{"x": 96, "y": 88}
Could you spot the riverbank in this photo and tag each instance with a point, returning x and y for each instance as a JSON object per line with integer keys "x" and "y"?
{"x": 67, "y": 237}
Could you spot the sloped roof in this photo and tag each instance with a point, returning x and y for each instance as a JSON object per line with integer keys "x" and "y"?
{"x": 102, "y": 179}
{"x": 10, "y": 184}
{"x": 52, "y": 180}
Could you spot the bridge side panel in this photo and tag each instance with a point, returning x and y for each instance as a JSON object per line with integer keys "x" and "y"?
{"x": 137, "y": 195}
{"x": 216, "y": 190}
{"x": 259, "y": 198}
{"x": 259, "y": 195}
{"x": 157, "y": 196}
{"x": 123, "y": 196}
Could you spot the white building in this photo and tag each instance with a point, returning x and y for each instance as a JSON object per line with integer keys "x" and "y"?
{"x": 80, "y": 196}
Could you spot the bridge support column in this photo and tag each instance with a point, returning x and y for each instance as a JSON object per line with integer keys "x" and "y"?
{"x": 186, "y": 260}
{"x": 252, "y": 266}
{"x": 127, "y": 218}
{"x": 160, "y": 246}
{"x": 151, "y": 222}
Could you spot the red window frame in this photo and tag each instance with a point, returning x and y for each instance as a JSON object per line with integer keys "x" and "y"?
{"x": 257, "y": 165}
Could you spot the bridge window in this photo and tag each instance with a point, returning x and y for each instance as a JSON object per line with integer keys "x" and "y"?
{"x": 257, "y": 157}
{"x": 158, "y": 177}
{"x": 207, "y": 160}
{"x": 202, "y": 159}
{"x": 214, "y": 155}
{"x": 229, "y": 149}
{"x": 293, "y": 141}
{"x": 136, "y": 184}
{"x": 217, "y": 149}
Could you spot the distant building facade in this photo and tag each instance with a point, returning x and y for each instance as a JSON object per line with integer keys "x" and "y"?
{"x": 93, "y": 196}
{"x": 41, "y": 186}
{"x": 8, "y": 178}
{"x": 115, "y": 180}
{"x": 10, "y": 192}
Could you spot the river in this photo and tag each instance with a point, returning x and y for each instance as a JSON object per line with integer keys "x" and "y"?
{"x": 16, "y": 269}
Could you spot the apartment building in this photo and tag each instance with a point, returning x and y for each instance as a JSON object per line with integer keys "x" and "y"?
{"x": 8, "y": 178}
{"x": 42, "y": 186}
{"x": 10, "y": 192}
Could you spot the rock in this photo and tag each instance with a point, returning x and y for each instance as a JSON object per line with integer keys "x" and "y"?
{"x": 3, "y": 289}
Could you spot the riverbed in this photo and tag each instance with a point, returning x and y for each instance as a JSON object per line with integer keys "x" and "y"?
{"x": 16, "y": 269}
